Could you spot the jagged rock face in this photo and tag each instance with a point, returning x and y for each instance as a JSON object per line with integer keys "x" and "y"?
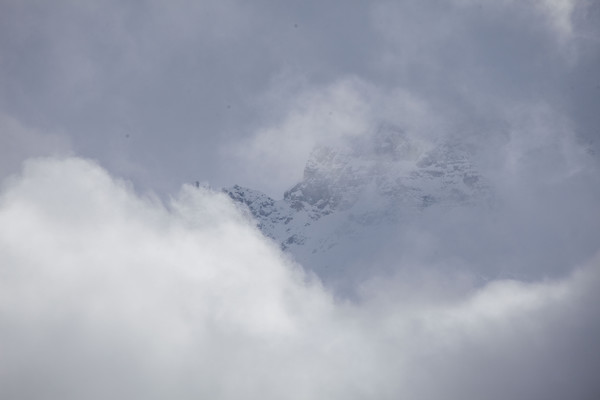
{"x": 391, "y": 167}
{"x": 370, "y": 182}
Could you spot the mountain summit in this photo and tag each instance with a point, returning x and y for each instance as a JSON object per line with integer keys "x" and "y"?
{"x": 369, "y": 184}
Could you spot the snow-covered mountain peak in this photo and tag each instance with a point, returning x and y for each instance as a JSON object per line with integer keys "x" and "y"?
{"x": 372, "y": 182}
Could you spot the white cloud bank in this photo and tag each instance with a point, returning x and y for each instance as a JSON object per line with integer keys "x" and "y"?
{"x": 108, "y": 294}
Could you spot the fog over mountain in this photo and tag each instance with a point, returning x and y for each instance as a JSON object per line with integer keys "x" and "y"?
{"x": 354, "y": 199}
{"x": 386, "y": 199}
{"x": 300, "y": 200}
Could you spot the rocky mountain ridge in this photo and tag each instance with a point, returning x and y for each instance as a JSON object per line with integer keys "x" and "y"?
{"x": 370, "y": 183}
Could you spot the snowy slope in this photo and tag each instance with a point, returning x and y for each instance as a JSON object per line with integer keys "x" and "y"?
{"x": 354, "y": 193}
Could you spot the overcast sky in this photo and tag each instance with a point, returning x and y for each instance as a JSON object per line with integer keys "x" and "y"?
{"x": 166, "y": 93}
{"x": 117, "y": 282}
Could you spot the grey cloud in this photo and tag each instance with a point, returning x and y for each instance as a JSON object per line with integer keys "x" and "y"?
{"x": 19, "y": 142}
{"x": 152, "y": 89}
{"x": 174, "y": 79}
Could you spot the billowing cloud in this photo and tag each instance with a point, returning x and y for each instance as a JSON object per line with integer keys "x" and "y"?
{"x": 109, "y": 293}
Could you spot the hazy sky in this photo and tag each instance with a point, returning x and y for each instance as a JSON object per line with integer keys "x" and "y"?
{"x": 117, "y": 282}
{"x": 228, "y": 92}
